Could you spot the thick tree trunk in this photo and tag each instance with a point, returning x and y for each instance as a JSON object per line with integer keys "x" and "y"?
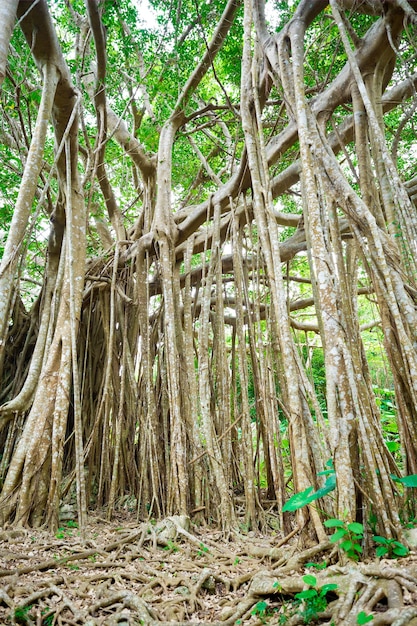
{"x": 7, "y": 19}
{"x": 36, "y": 465}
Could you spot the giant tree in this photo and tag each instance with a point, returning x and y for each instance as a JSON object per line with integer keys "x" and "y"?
{"x": 204, "y": 180}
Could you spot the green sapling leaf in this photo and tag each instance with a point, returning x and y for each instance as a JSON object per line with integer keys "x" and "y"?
{"x": 355, "y": 527}
{"x": 334, "y": 523}
{"x": 339, "y": 534}
{"x": 326, "y": 588}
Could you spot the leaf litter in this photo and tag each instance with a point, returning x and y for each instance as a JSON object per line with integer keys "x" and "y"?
{"x": 171, "y": 572}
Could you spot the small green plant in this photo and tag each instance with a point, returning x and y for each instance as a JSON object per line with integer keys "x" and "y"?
{"x": 317, "y": 566}
{"x": 65, "y": 531}
{"x": 236, "y": 561}
{"x": 363, "y": 618}
{"x": 385, "y": 398}
{"x": 21, "y": 614}
{"x": 171, "y": 547}
{"x": 298, "y": 500}
{"x": 313, "y": 599}
{"x": 390, "y": 548}
{"x": 350, "y": 536}
{"x": 203, "y": 550}
{"x": 260, "y": 610}
{"x": 72, "y": 524}
{"x": 284, "y": 615}
{"x": 47, "y": 617}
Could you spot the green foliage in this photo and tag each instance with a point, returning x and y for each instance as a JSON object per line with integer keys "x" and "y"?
{"x": 260, "y": 610}
{"x": 65, "y": 531}
{"x": 317, "y": 373}
{"x": 147, "y": 68}
{"x": 284, "y": 10}
{"x": 262, "y": 480}
{"x": 48, "y": 620}
{"x": 318, "y": 566}
{"x": 298, "y": 500}
{"x": 72, "y": 524}
{"x": 203, "y": 550}
{"x": 390, "y": 548}
{"x": 363, "y": 618}
{"x": 313, "y": 599}
{"x": 350, "y": 536}
{"x": 385, "y": 399}
{"x": 407, "y": 481}
{"x": 171, "y": 547}
{"x": 21, "y": 614}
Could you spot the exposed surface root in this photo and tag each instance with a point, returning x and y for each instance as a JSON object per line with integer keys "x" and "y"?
{"x": 169, "y": 573}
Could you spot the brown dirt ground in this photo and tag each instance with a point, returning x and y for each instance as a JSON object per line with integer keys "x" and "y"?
{"x": 125, "y": 572}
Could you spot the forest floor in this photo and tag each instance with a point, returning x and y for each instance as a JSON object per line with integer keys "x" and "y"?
{"x": 125, "y": 572}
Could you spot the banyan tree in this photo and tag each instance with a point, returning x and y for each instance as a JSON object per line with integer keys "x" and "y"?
{"x": 208, "y": 209}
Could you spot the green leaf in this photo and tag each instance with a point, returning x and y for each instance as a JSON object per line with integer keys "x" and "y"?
{"x": 259, "y": 608}
{"x": 346, "y": 545}
{"x": 357, "y": 547}
{"x": 329, "y": 485}
{"x": 382, "y": 540}
{"x": 356, "y": 527}
{"x": 333, "y": 523}
{"x": 317, "y": 565}
{"x": 303, "y": 498}
{"x": 339, "y": 534}
{"x": 400, "y": 549}
{"x": 393, "y": 446}
{"x": 409, "y": 481}
{"x": 326, "y": 588}
{"x": 395, "y": 478}
{"x": 363, "y": 618}
{"x": 381, "y": 551}
{"x": 298, "y": 500}
{"x": 310, "y": 580}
